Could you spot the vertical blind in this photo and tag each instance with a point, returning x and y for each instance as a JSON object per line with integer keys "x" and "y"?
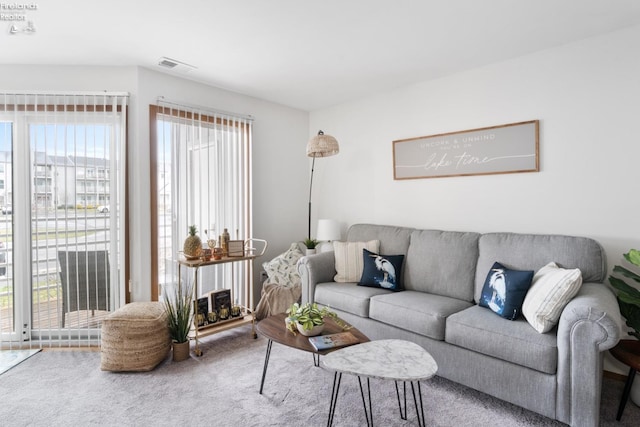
{"x": 63, "y": 177}
{"x": 201, "y": 175}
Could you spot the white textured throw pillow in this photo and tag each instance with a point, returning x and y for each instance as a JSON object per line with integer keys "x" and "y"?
{"x": 349, "y": 259}
{"x": 551, "y": 290}
{"x": 282, "y": 269}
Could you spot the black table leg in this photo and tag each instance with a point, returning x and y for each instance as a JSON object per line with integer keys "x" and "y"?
{"x": 404, "y": 383}
{"x": 266, "y": 363}
{"x": 625, "y": 393}
{"x": 316, "y": 360}
{"x": 368, "y": 415}
{"x": 419, "y": 413}
{"x": 334, "y": 397}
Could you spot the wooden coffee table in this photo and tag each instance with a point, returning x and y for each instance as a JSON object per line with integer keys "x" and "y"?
{"x": 273, "y": 328}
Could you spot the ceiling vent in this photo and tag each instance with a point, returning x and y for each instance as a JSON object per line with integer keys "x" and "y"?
{"x": 173, "y": 65}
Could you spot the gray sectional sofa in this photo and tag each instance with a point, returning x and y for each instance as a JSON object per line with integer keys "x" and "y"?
{"x": 557, "y": 374}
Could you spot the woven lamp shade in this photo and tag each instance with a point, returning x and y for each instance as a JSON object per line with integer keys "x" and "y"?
{"x": 322, "y": 145}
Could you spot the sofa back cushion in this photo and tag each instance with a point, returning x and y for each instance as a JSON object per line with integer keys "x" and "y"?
{"x": 534, "y": 251}
{"x": 442, "y": 263}
{"x": 393, "y": 240}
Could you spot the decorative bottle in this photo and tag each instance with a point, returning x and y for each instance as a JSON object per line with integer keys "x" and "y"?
{"x": 225, "y": 242}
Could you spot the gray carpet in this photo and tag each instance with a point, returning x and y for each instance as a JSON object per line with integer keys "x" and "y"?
{"x": 55, "y": 388}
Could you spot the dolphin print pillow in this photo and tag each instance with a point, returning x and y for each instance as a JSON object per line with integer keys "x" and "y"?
{"x": 381, "y": 271}
{"x": 504, "y": 291}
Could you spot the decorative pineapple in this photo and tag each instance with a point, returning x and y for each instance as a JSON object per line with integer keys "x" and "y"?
{"x": 192, "y": 245}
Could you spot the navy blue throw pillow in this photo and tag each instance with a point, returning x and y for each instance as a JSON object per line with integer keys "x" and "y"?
{"x": 381, "y": 271}
{"x": 504, "y": 290}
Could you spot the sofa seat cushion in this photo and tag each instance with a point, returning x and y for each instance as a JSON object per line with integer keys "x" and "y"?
{"x": 478, "y": 329}
{"x": 418, "y": 312}
{"x": 347, "y": 297}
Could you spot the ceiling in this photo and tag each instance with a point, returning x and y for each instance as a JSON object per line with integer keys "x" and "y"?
{"x": 302, "y": 53}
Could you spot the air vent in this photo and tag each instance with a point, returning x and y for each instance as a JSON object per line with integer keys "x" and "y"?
{"x": 173, "y": 65}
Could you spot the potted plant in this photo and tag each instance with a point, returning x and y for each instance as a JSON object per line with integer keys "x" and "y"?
{"x": 308, "y": 319}
{"x": 629, "y": 301}
{"x": 628, "y": 296}
{"x": 179, "y": 310}
{"x": 310, "y": 244}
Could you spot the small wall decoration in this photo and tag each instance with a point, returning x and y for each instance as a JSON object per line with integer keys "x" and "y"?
{"x": 507, "y": 148}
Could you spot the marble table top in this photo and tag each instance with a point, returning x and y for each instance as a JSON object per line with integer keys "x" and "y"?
{"x": 385, "y": 359}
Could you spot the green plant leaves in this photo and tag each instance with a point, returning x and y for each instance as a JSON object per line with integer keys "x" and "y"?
{"x": 628, "y": 296}
{"x": 626, "y": 293}
{"x": 310, "y": 243}
{"x": 633, "y": 257}
{"x": 308, "y": 315}
{"x": 179, "y": 310}
{"x": 626, "y": 273}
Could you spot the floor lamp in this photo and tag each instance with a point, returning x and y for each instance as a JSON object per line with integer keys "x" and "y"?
{"x": 320, "y": 145}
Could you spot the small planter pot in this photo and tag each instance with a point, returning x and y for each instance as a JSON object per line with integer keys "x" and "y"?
{"x": 180, "y": 351}
{"x": 316, "y": 330}
{"x": 311, "y": 251}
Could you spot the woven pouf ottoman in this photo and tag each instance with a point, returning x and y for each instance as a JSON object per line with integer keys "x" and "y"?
{"x": 135, "y": 337}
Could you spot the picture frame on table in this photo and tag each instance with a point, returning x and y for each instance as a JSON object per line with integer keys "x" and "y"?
{"x": 202, "y": 305}
{"x": 236, "y": 248}
{"x": 220, "y": 299}
{"x": 201, "y": 310}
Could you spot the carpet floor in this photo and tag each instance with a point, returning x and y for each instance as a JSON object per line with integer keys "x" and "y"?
{"x": 61, "y": 388}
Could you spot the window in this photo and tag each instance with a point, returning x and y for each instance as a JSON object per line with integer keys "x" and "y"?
{"x": 200, "y": 175}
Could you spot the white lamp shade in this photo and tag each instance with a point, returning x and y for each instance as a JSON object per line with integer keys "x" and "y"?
{"x": 328, "y": 230}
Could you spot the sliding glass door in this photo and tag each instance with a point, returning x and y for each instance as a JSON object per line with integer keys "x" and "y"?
{"x": 61, "y": 234}
{"x": 11, "y": 330}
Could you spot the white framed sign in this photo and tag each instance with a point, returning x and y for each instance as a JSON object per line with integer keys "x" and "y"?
{"x": 506, "y": 148}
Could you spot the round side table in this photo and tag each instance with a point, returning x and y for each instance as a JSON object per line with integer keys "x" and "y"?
{"x": 628, "y": 352}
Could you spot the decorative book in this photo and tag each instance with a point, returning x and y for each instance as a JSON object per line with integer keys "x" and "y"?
{"x": 340, "y": 339}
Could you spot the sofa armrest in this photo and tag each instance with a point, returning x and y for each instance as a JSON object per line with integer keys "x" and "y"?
{"x": 589, "y": 325}
{"x": 315, "y": 269}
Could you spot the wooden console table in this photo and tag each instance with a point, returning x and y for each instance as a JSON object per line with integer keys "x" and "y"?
{"x": 246, "y": 306}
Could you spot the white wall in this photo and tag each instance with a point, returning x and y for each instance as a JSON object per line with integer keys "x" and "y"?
{"x": 280, "y": 167}
{"x": 586, "y": 96}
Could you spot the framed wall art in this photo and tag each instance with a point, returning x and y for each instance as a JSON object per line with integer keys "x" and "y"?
{"x": 506, "y": 148}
